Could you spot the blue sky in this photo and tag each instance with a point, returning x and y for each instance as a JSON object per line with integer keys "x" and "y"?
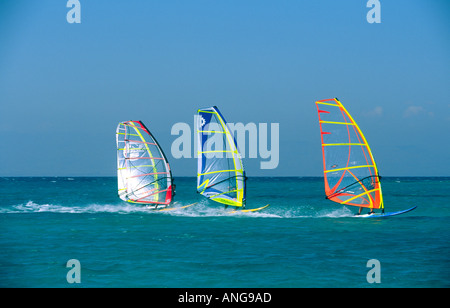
{"x": 64, "y": 87}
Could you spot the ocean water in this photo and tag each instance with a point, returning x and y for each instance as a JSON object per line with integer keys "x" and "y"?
{"x": 301, "y": 240}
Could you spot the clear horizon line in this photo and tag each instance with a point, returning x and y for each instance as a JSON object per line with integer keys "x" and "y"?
{"x": 189, "y": 176}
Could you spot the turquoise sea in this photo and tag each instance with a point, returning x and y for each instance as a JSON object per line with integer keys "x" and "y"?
{"x": 301, "y": 240}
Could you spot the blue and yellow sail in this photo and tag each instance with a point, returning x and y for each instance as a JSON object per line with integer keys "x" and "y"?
{"x": 220, "y": 172}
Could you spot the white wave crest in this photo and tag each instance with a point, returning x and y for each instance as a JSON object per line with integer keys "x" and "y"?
{"x": 200, "y": 209}
{"x": 32, "y": 207}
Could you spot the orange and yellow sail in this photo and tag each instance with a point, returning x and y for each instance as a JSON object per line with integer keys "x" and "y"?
{"x": 350, "y": 172}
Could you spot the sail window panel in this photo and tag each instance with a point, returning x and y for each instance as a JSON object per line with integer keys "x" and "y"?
{"x": 334, "y": 181}
{"x": 132, "y": 134}
{"x": 213, "y": 175}
{"x": 348, "y": 171}
{"x": 361, "y": 193}
{"x": 154, "y": 192}
{"x": 213, "y": 153}
{"x": 217, "y": 170}
{"x": 350, "y": 175}
{"x": 215, "y": 144}
{"x": 133, "y": 152}
{"x": 120, "y": 158}
{"x": 363, "y": 200}
{"x": 333, "y": 114}
{"x": 141, "y": 150}
{"x": 357, "y": 195}
{"x": 329, "y": 113}
{"x": 335, "y": 135}
{"x": 223, "y": 189}
{"x": 340, "y": 134}
{"x": 338, "y": 157}
{"x": 341, "y": 179}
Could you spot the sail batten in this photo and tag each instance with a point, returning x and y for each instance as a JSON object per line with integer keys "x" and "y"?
{"x": 350, "y": 172}
{"x": 220, "y": 172}
{"x": 143, "y": 173}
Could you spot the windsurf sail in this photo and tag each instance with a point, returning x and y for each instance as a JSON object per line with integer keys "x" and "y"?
{"x": 220, "y": 172}
{"x": 350, "y": 173}
{"x": 143, "y": 172}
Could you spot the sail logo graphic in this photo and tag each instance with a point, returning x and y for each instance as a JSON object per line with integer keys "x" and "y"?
{"x": 201, "y": 121}
{"x": 253, "y": 141}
